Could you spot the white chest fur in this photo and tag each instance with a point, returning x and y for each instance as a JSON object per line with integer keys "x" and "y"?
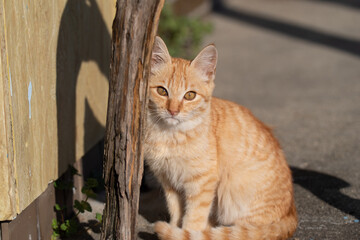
{"x": 175, "y": 155}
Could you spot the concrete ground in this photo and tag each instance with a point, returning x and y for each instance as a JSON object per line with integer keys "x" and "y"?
{"x": 296, "y": 65}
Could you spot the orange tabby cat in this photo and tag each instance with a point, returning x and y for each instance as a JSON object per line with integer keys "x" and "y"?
{"x": 223, "y": 172}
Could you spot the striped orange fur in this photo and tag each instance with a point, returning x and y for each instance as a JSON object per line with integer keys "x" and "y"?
{"x": 224, "y": 175}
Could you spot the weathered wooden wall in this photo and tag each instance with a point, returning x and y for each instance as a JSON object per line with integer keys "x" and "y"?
{"x": 53, "y": 91}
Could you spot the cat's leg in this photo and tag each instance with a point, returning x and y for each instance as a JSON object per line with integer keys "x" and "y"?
{"x": 199, "y": 197}
{"x": 173, "y": 200}
{"x": 174, "y": 203}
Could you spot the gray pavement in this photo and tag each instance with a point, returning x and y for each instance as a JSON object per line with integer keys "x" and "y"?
{"x": 296, "y": 65}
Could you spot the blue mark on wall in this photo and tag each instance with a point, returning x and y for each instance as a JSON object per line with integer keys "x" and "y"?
{"x": 29, "y": 98}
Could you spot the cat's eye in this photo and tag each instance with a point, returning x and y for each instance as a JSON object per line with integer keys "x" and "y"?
{"x": 161, "y": 91}
{"x": 190, "y": 95}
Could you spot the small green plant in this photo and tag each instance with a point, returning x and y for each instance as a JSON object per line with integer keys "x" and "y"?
{"x": 182, "y": 35}
{"x": 68, "y": 227}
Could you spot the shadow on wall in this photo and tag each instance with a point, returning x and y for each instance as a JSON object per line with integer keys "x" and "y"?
{"x": 92, "y": 164}
{"x": 83, "y": 36}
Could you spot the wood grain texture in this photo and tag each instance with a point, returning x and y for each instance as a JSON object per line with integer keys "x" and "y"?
{"x": 62, "y": 50}
{"x": 8, "y": 199}
{"x": 134, "y": 30}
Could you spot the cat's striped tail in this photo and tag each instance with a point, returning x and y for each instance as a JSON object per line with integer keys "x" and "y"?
{"x": 276, "y": 231}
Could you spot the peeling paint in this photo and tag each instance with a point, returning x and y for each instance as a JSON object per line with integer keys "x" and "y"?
{"x": 29, "y": 98}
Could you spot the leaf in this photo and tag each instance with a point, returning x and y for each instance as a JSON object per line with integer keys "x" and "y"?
{"x": 91, "y": 183}
{"x": 73, "y": 227}
{"x": 84, "y": 189}
{"x": 54, "y": 224}
{"x": 55, "y": 236}
{"x": 99, "y": 217}
{"x": 78, "y": 206}
{"x": 86, "y": 206}
{"x": 63, "y": 227}
{"x": 67, "y": 222}
{"x": 73, "y": 222}
{"x": 73, "y": 171}
{"x": 62, "y": 185}
{"x": 57, "y": 207}
{"x": 88, "y": 192}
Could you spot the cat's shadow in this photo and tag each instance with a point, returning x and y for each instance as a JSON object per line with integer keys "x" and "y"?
{"x": 324, "y": 186}
{"x": 327, "y": 188}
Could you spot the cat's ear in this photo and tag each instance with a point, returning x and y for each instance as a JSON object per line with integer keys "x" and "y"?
{"x": 160, "y": 55}
{"x": 205, "y": 63}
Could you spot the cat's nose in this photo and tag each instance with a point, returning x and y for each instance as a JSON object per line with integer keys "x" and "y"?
{"x": 173, "y": 113}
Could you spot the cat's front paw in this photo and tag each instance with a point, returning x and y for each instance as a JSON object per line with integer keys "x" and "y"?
{"x": 161, "y": 229}
{"x": 166, "y": 232}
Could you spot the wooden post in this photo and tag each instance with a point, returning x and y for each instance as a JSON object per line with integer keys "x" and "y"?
{"x": 134, "y": 30}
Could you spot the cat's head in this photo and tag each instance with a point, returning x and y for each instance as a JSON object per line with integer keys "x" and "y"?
{"x": 180, "y": 90}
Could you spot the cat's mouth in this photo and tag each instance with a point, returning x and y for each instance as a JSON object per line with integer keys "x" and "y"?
{"x": 172, "y": 121}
